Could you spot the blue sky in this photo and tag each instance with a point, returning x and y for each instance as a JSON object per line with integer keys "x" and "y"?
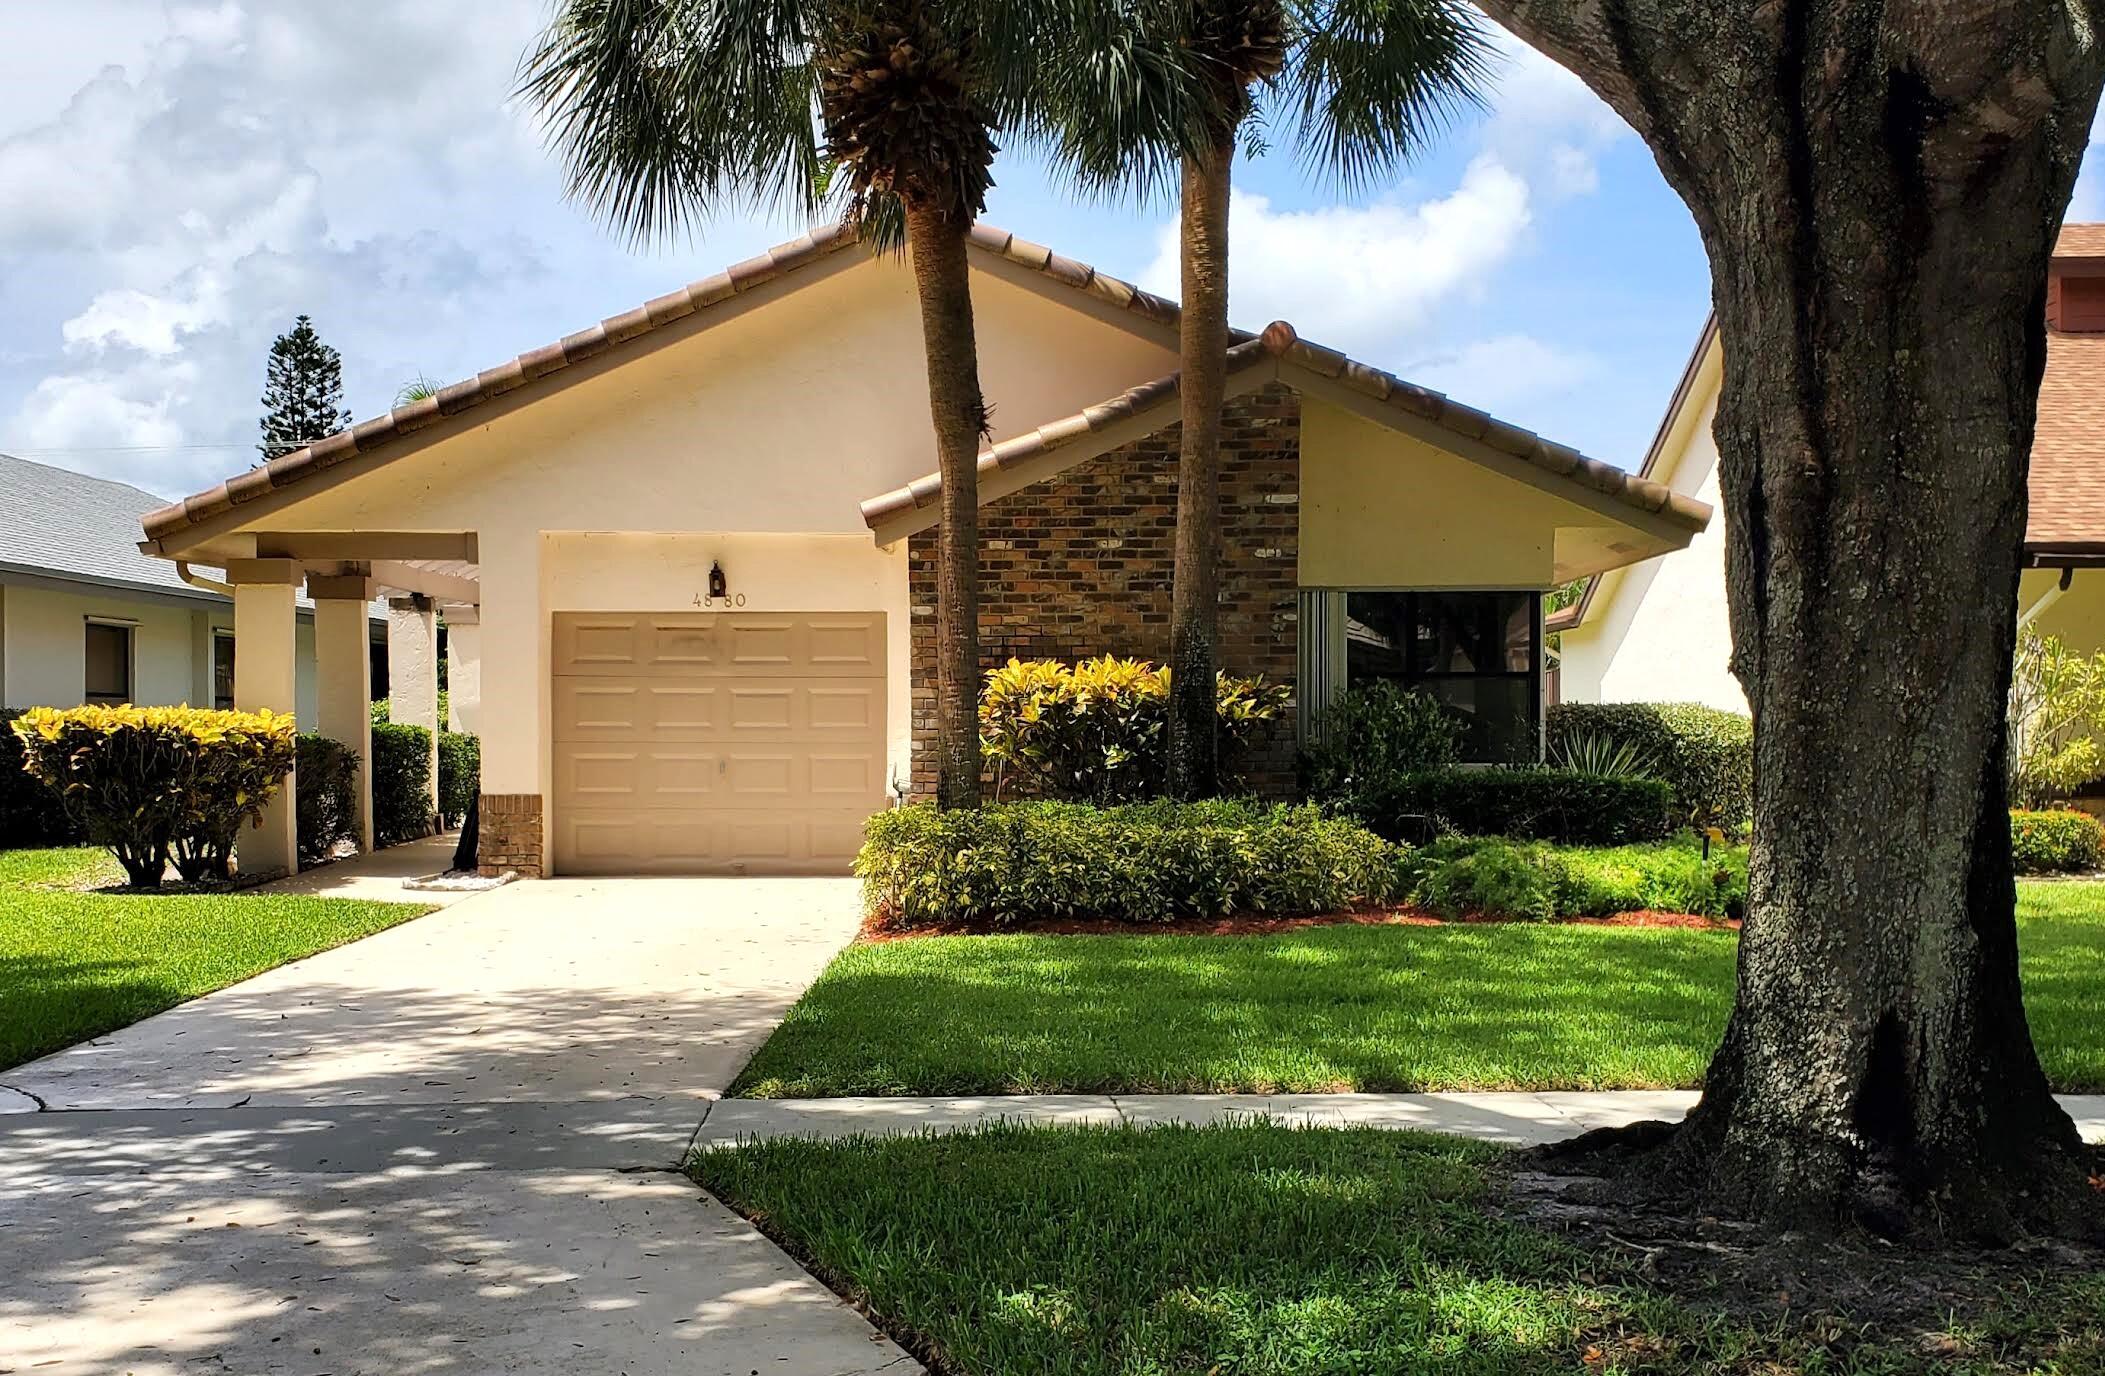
{"x": 179, "y": 179}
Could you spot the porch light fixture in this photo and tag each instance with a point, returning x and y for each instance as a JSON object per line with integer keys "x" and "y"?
{"x": 716, "y": 579}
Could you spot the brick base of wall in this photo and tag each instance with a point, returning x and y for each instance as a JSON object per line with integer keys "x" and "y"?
{"x": 510, "y": 835}
{"x": 1081, "y": 565}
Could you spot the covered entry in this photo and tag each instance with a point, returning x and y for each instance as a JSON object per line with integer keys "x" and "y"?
{"x": 715, "y": 742}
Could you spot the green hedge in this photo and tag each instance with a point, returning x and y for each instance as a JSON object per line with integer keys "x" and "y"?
{"x": 325, "y": 798}
{"x": 1706, "y": 754}
{"x": 401, "y": 784}
{"x": 460, "y": 775}
{"x": 1531, "y": 803}
{"x": 1149, "y": 862}
{"x": 1490, "y": 877}
{"x": 31, "y": 814}
{"x": 2051, "y": 842}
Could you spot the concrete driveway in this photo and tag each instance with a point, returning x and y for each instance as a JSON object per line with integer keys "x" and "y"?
{"x": 445, "y": 1148}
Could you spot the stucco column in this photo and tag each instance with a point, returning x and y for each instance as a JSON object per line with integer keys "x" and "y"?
{"x": 463, "y": 668}
{"x": 266, "y": 678}
{"x": 413, "y": 674}
{"x": 513, "y": 722}
{"x": 343, "y": 666}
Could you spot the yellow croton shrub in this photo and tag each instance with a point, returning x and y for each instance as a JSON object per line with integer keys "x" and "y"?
{"x": 156, "y": 784}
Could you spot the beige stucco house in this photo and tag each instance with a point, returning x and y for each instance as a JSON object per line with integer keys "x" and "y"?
{"x": 1656, "y": 631}
{"x": 688, "y": 551}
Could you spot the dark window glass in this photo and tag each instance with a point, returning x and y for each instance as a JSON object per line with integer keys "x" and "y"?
{"x": 1474, "y": 651}
{"x": 223, "y": 672}
{"x": 109, "y": 663}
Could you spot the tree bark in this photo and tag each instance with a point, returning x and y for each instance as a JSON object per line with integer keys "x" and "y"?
{"x": 942, "y": 276}
{"x": 1194, "y": 749}
{"x": 1878, "y": 186}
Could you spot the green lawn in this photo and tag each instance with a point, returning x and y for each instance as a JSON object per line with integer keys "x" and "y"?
{"x": 1515, "y": 1006}
{"x": 1261, "y": 1249}
{"x": 75, "y": 964}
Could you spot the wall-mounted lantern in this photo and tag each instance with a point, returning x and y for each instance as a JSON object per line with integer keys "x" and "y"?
{"x": 717, "y": 585}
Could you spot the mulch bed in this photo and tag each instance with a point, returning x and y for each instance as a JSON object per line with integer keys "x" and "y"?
{"x": 879, "y": 928}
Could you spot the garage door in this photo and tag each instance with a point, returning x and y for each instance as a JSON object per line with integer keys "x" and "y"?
{"x": 716, "y": 743}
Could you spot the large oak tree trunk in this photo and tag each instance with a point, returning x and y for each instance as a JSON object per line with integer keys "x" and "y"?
{"x": 1194, "y": 751}
{"x": 1878, "y": 186}
{"x": 942, "y": 275}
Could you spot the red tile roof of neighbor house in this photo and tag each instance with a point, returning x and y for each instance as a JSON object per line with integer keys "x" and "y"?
{"x": 532, "y": 368}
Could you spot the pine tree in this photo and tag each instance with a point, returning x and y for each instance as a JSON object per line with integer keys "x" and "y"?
{"x": 303, "y": 392}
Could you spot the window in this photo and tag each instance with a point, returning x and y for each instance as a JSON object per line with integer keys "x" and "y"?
{"x": 223, "y": 670}
{"x": 1480, "y": 653}
{"x": 109, "y": 662}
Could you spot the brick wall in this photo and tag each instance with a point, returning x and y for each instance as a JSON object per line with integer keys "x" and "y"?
{"x": 1081, "y": 565}
{"x": 508, "y": 835}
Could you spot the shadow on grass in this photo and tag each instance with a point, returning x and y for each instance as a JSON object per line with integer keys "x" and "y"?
{"x": 1093, "y": 1251}
{"x": 54, "y": 1001}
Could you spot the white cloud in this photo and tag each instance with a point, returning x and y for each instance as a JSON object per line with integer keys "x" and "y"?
{"x": 1355, "y": 276}
{"x": 186, "y": 176}
{"x": 1504, "y": 372}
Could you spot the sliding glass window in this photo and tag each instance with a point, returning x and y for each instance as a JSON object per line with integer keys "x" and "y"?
{"x": 1480, "y": 653}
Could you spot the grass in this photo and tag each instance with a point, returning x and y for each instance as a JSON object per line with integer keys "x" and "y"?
{"x": 1516, "y": 1006}
{"x": 75, "y": 964}
{"x": 1258, "y": 1248}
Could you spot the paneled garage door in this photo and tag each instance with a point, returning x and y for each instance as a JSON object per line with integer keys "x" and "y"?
{"x": 728, "y": 743}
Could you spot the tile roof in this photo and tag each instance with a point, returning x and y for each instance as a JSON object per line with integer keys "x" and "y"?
{"x": 1280, "y": 342}
{"x": 532, "y": 367}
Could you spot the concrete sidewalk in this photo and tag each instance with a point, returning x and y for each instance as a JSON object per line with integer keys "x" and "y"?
{"x": 446, "y": 1149}
{"x": 1516, "y": 1119}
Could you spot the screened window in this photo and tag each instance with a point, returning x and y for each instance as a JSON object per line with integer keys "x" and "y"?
{"x": 109, "y": 663}
{"x": 1480, "y": 653}
{"x": 223, "y": 671}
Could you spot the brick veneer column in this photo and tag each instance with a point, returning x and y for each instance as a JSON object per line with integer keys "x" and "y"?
{"x": 1081, "y": 565}
{"x": 509, "y": 836}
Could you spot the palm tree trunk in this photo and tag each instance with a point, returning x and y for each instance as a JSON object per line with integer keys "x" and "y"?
{"x": 1194, "y": 756}
{"x": 942, "y": 276}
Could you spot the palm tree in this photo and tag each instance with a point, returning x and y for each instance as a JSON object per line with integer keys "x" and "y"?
{"x": 1148, "y": 87}
{"x": 666, "y": 109}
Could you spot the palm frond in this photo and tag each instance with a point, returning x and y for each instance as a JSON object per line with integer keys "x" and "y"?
{"x": 665, "y": 111}
{"x": 1370, "y": 82}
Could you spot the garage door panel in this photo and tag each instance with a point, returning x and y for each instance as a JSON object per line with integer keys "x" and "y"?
{"x": 641, "y": 842}
{"x": 716, "y": 742}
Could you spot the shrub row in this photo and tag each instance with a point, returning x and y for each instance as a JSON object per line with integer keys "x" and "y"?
{"x": 1098, "y": 731}
{"x": 460, "y": 775}
{"x": 156, "y": 784}
{"x": 1532, "y": 803}
{"x": 30, "y": 813}
{"x": 1487, "y": 876}
{"x": 325, "y": 796}
{"x": 401, "y": 784}
{"x": 1707, "y": 755}
{"x": 2055, "y": 842}
{"x": 1152, "y": 862}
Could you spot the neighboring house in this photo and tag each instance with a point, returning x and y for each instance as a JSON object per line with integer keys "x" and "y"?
{"x": 699, "y": 541}
{"x": 86, "y": 618}
{"x": 1656, "y": 631}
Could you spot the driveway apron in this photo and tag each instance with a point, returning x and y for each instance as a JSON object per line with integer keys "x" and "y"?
{"x": 446, "y": 1148}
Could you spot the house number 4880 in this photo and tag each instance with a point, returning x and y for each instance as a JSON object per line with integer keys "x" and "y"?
{"x": 736, "y": 599}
